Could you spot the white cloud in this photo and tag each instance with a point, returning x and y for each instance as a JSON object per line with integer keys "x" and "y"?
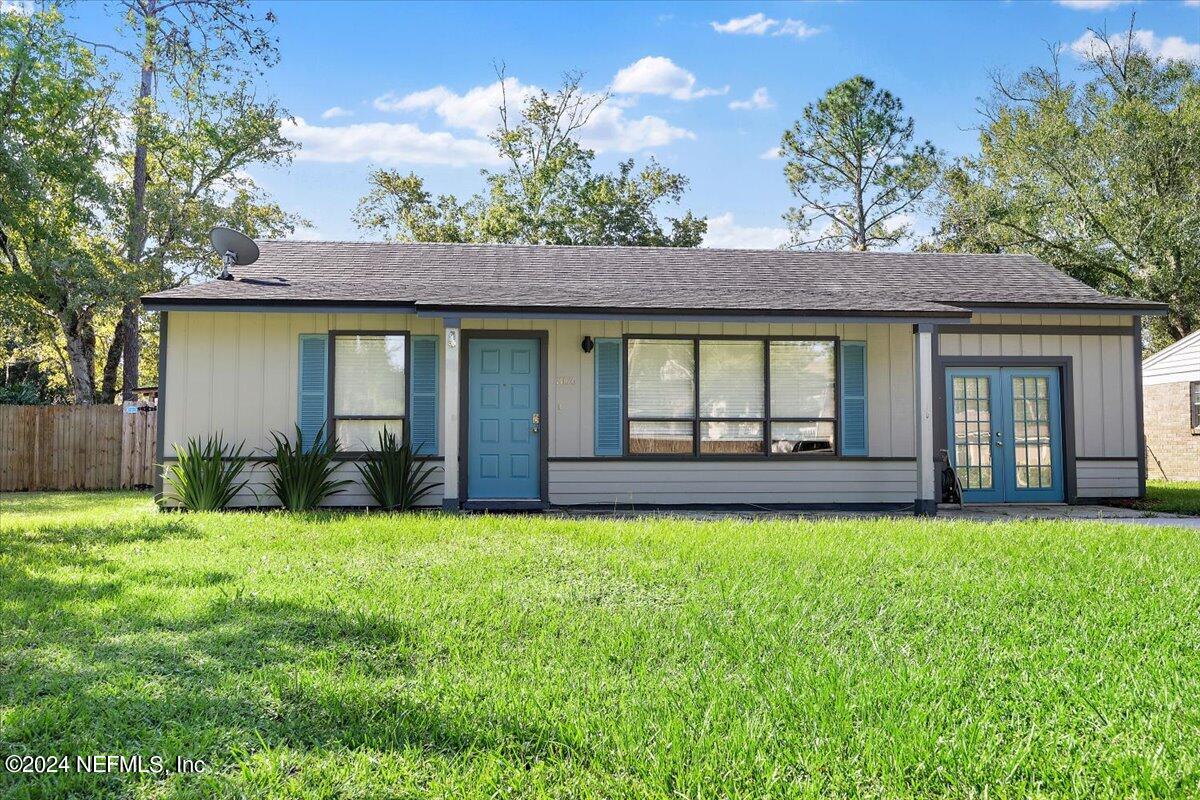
{"x": 760, "y": 100}
{"x": 660, "y": 76}
{"x": 478, "y": 110}
{"x": 22, "y": 7}
{"x": 760, "y": 24}
{"x": 386, "y": 143}
{"x": 724, "y": 232}
{"x": 609, "y": 129}
{"x": 754, "y": 25}
{"x": 1092, "y": 5}
{"x": 1172, "y": 48}
{"x": 336, "y": 112}
{"x": 797, "y": 28}
{"x": 771, "y": 153}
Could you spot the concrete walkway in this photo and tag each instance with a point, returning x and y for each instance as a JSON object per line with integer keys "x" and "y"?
{"x": 1089, "y": 513}
{"x": 974, "y": 513}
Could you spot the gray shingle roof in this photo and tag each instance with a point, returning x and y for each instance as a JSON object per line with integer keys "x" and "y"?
{"x": 613, "y": 279}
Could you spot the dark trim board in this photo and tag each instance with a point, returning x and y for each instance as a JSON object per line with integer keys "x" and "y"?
{"x": 1041, "y": 330}
{"x": 1066, "y": 396}
{"x": 352, "y": 458}
{"x": 727, "y": 459}
{"x": 1138, "y": 405}
{"x": 161, "y": 414}
{"x": 1145, "y": 308}
{"x": 464, "y": 397}
{"x": 742, "y": 507}
{"x": 822, "y": 315}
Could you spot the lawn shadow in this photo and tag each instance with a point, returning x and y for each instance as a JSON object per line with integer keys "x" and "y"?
{"x": 226, "y": 678}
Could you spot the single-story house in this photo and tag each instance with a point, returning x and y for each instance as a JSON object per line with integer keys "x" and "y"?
{"x": 547, "y": 376}
{"x": 1172, "y": 380}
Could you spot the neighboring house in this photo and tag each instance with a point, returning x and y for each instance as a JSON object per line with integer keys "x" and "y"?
{"x": 545, "y": 376}
{"x": 1172, "y": 380}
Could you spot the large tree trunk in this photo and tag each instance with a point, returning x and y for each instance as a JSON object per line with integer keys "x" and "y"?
{"x": 81, "y": 354}
{"x": 131, "y": 348}
{"x": 108, "y": 377}
{"x": 131, "y": 358}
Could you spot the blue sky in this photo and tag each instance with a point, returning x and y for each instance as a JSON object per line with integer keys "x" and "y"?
{"x": 411, "y": 86}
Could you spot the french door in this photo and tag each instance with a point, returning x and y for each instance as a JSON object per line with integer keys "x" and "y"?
{"x": 1004, "y": 427}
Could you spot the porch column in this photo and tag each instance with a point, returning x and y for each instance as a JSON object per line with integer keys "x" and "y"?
{"x": 452, "y": 345}
{"x": 927, "y": 498}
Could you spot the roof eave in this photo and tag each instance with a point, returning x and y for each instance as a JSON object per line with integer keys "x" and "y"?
{"x": 1146, "y": 309}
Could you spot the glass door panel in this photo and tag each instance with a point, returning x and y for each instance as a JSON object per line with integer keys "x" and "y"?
{"x": 1034, "y": 466}
{"x": 1005, "y": 433}
{"x": 973, "y": 425}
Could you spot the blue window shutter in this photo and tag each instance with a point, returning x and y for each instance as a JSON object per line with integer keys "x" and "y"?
{"x": 608, "y": 397}
{"x": 423, "y": 395}
{"x": 854, "y": 398}
{"x": 313, "y": 386}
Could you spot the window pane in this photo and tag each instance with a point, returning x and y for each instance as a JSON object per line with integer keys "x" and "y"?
{"x": 801, "y": 437}
{"x": 737, "y": 438}
{"x": 369, "y": 375}
{"x": 731, "y": 379}
{"x": 363, "y": 434}
{"x": 661, "y": 374}
{"x": 660, "y": 437}
{"x": 802, "y": 379}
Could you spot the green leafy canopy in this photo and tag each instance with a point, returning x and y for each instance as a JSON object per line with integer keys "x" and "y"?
{"x": 852, "y": 163}
{"x": 549, "y": 192}
{"x": 1099, "y": 177}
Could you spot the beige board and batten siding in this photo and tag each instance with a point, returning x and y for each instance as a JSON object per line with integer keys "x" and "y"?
{"x": 890, "y": 427}
{"x": 1105, "y": 400}
{"x": 236, "y": 374}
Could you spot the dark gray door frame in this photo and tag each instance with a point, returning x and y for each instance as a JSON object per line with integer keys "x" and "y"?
{"x": 464, "y": 421}
{"x": 1066, "y": 395}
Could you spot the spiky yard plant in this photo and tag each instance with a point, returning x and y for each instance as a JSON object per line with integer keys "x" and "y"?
{"x": 204, "y": 475}
{"x": 300, "y": 478}
{"x": 396, "y": 478}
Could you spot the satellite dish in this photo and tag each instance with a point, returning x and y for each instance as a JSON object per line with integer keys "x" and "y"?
{"x": 237, "y": 249}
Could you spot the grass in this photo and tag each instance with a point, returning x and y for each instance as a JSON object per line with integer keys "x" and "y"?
{"x": 1171, "y": 497}
{"x": 333, "y": 655}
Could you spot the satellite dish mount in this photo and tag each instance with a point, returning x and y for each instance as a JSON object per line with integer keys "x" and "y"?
{"x": 236, "y": 250}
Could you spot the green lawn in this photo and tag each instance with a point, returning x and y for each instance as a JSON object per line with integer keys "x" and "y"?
{"x": 1171, "y": 497}
{"x": 377, "y": 656}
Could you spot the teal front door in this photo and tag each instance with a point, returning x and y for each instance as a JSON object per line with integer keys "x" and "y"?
{"x": 1004, "y": 427}
{"x": 504, "y": 419}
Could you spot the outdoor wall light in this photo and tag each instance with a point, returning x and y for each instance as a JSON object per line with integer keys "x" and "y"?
{"x": 588, "y": 344}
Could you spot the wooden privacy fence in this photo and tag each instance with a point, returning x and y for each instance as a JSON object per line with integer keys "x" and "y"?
{"x": 75, "y": 447}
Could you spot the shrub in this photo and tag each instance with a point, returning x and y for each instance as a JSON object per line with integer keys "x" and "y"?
{"x": 203, "y": 476}
{"x": 394, "y": 476}
{"x": 22, "y": 393}
{"x": 302, "y": 479}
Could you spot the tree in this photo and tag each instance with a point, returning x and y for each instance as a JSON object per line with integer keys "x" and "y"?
{"x": 99, "y": 203}
{"x": 852, "y": 163}
{"x": 56, "y": 125}
{"x": 1100, "y": 178}
{"x": 194, "y": 126}
{"x": 550, "y": 192}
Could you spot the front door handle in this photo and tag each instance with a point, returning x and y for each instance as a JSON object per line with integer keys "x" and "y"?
{"x": 536, "y": 423}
